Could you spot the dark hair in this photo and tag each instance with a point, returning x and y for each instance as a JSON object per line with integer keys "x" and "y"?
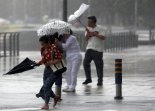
{"x": 60, "y": 37}
{"x": 44, "y": 39}
{"x": 71, "y": 31}
{"x": 93, "y": 18}
{"x": 55, "y": 35}
{"x": 52, "y": 37}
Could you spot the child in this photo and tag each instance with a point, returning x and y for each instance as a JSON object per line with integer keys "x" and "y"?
{"x": 49, "y": 77}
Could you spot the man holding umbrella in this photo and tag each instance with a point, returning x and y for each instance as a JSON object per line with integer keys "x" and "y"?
{"x": 95, "y": 37}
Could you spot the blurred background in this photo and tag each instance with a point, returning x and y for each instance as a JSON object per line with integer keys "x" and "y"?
{"x": 124, "y": 13}
{"x": 115, "y": 15}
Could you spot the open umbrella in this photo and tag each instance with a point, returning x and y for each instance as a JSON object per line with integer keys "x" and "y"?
{"x": 25, "y": 65}
{"x": 77, "y": 14}
{"x": 54, "y": 26}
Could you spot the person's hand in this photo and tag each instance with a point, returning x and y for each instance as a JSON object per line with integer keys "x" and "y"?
{"x": 38, "y": 64}
{"x": 57, "y": 42}
{"x": 90, "y": 34}
{"x": 50, "y": 62}
{"x": 95, "y": 33}
{"x": 47, "y": 64}
{"x": 87, "y": 30}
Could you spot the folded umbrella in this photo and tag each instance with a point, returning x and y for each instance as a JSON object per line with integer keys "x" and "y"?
{"x": 25, "y": 65}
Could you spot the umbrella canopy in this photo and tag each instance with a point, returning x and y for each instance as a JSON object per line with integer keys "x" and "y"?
{"x": 54, "y": 26}
{"x": 25, "y": 65}
{"x": 77, "y": 14}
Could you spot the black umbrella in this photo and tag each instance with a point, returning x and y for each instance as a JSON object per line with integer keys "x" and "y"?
{"x": 25, "y": 65}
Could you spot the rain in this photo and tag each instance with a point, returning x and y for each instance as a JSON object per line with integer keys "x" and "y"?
{"x": 128, "y": 35}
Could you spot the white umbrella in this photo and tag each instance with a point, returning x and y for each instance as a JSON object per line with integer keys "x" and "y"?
{"x": 77, "y": 14}
{"x": 54, "y": 26}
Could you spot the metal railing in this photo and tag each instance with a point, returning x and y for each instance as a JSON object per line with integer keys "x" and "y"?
{"x": 120, "y": 41}
{"x": 147, "y": 40}
{"x": 9, "y": 44}
{"x": 114, "y": 42}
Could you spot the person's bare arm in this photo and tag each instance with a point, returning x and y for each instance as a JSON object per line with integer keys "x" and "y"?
{"x": 96, "y": 34}
{"x": 55, "y": 61}
{"x": 101, "y": 37}
{"x": 88, "y": 35}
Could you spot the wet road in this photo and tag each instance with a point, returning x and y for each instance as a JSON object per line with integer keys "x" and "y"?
{"x": 17, "y": 92}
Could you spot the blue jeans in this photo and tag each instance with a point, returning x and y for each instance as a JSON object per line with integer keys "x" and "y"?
{"x": 49, "y": 79}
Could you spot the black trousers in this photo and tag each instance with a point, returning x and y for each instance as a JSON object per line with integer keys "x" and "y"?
{"x": 97, "y": 57}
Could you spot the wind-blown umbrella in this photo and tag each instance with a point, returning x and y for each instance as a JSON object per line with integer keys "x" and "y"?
{"x": 54, "y": 26}
{"x": 77, "y": 14}
{"x": 25, "y": 65}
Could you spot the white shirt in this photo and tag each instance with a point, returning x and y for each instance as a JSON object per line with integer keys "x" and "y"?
{"x": 96, "y": 43}
{"x": 71, "y": 46}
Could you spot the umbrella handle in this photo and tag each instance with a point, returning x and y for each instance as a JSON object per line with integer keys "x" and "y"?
{"x": 81, "y": 22}
{"x": 82, "y": 25}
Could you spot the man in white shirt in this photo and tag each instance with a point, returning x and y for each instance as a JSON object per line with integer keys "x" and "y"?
{"x": 95, "y": 37}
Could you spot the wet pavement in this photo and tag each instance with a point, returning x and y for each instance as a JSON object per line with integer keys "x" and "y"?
{"x": 17, "y": 92}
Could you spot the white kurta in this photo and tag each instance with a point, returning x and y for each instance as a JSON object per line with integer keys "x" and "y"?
{"x": 74, "y": 58}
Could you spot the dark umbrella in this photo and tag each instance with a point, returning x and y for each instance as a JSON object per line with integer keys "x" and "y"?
{"x": 25, "y": 65}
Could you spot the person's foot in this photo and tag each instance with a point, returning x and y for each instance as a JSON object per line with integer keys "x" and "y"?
{"x": 60, "y": 100}
{"x": 56, "y": 99}
{"x": 45, "y": 107}
{"x": 70, "y": 90}
{"x": 87, "y": 81}
{"x": 99, "y": 84}
{"x": 64, "y": 90}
